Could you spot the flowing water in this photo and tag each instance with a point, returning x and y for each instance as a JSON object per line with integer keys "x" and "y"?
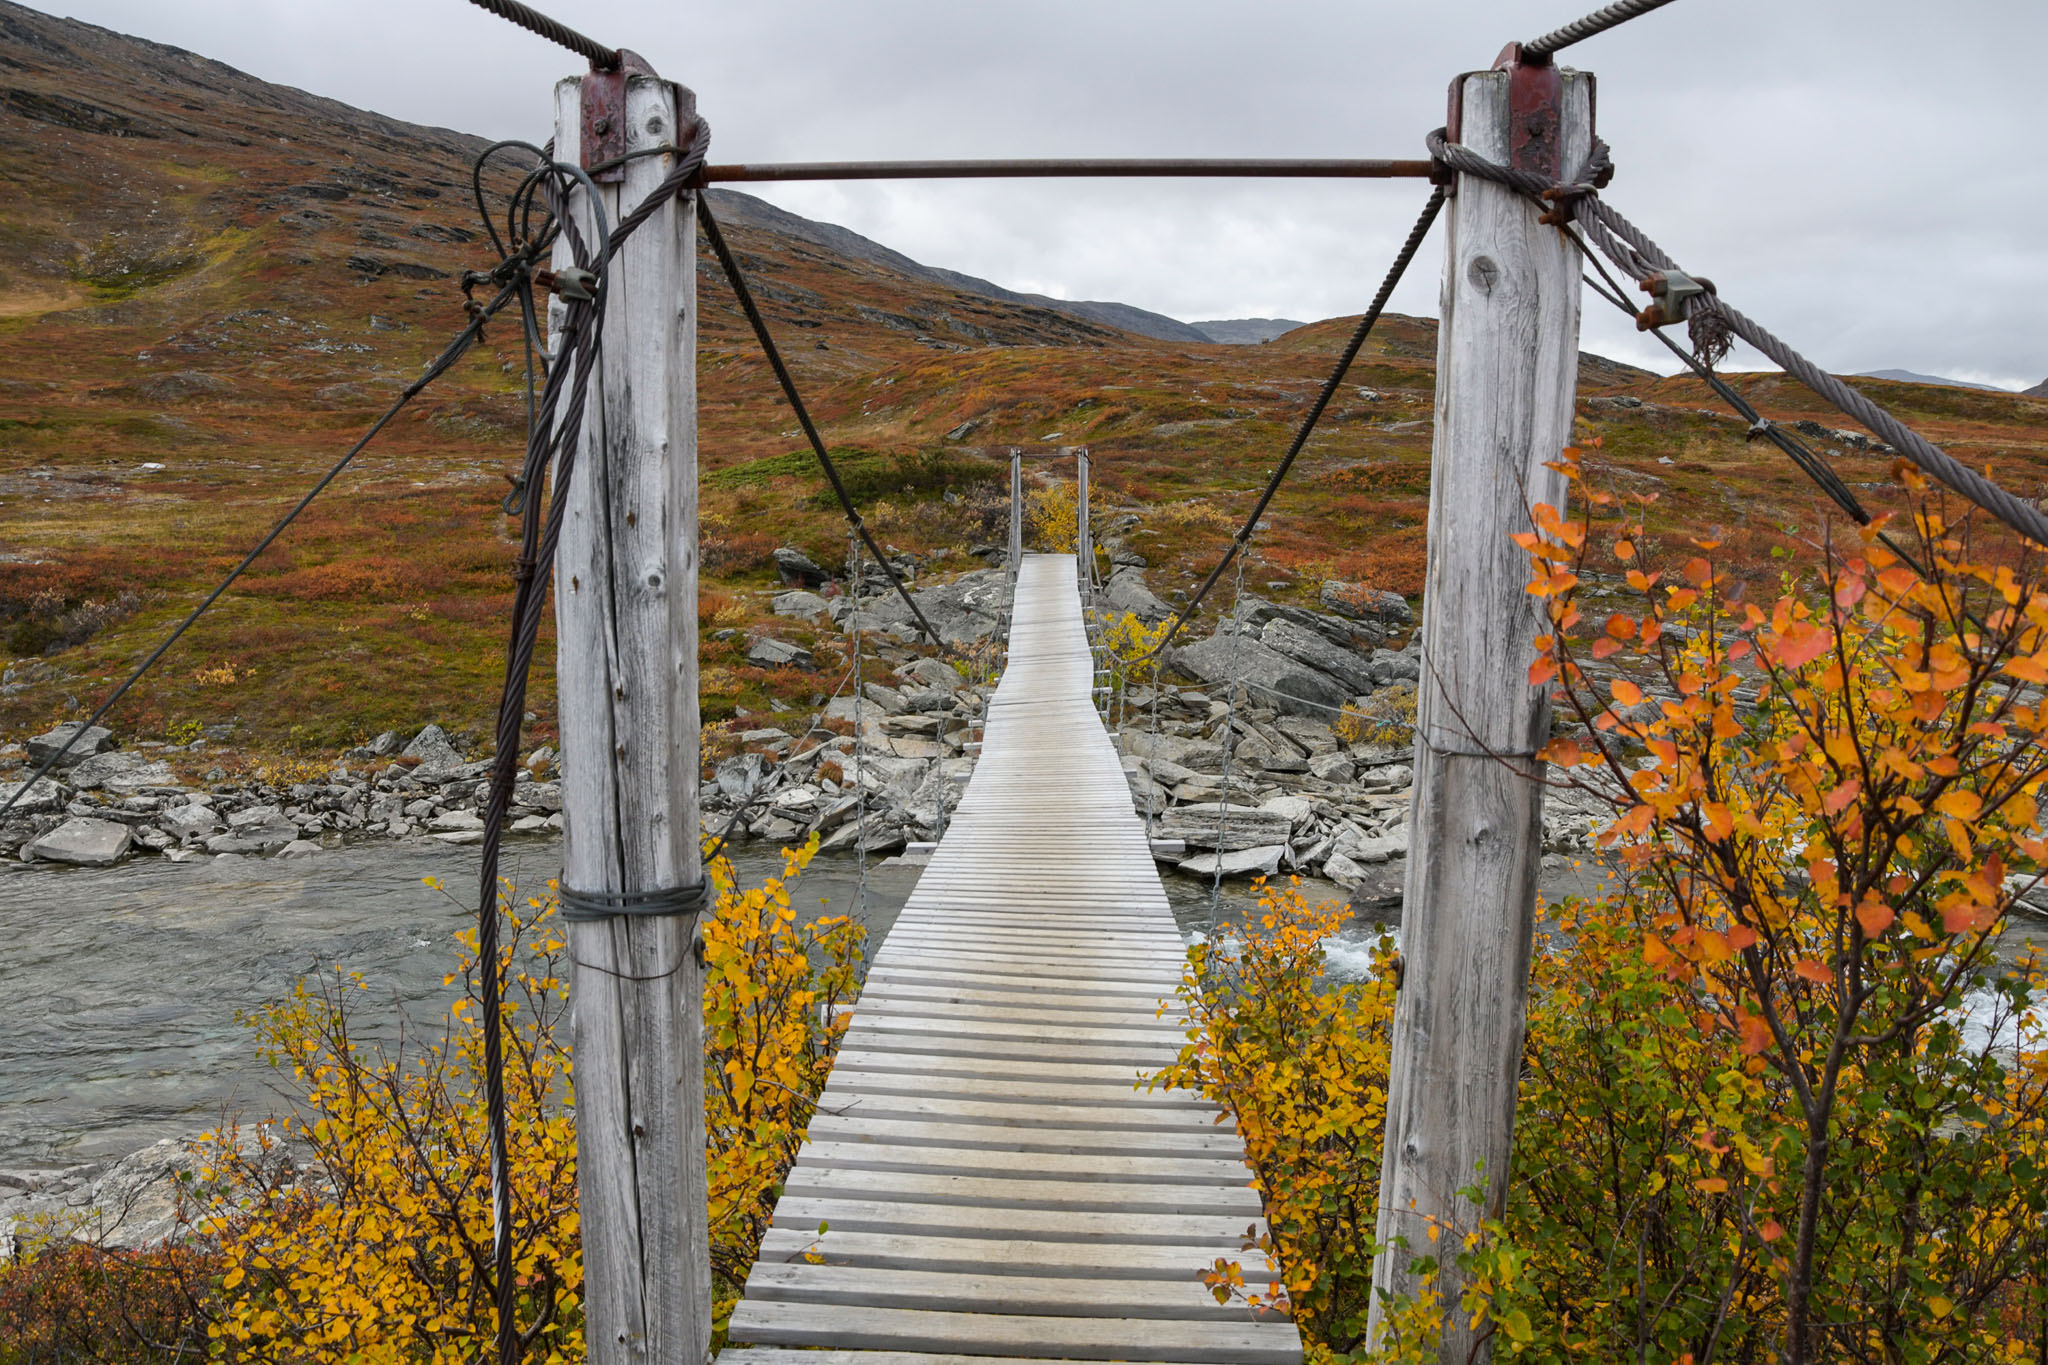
{"x": 120, "y": 987}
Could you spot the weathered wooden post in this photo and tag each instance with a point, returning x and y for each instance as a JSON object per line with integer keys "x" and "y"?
{"x": 1016, "y": 511}
{"x": 1084, "y": 541}
{"x": 1507, "y": 366}
{"x": 626, "y": 664}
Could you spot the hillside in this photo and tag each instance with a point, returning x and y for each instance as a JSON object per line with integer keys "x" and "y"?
{"x": 218, "y": 282}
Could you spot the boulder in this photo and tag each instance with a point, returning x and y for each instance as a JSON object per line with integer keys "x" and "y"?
{"x": 40, "y": 798}
{"x": 257, "y": 838}
{"x": 189, "y": 822}
{"x": 96, "y": 740}
{"x": 1262, "y": 861}
{"x": 1127, "y": 591}
{"x": 803, "y": 606}
{"x": 1221, "y": 825}
{"x": 545, "y": 796}
{"x": 772, "y": 653}
{"x": 1274, "y": 679}
{"x": 1333, "y": 768}
{"x": 1349, "y": 667}
{"x": 1360, "y": 603}
{"x": 936, "y": 674}
{"x": 437, "y": 757}
{"x": 456, "y": 820}
{"x": 84, "y": 842}
{"x": 118, "y": 771}
{"x": 1388, "y": 667}
{"x": 797, "y": 570}
{"x": 299, "y": 848}
{"x": 1298, "y": 810}
{"x": 738, "y": 776}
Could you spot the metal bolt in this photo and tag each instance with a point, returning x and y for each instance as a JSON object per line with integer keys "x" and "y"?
{"x": 602, "y": 126}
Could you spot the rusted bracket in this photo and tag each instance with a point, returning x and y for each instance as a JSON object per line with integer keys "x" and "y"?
{"x": 1535, "y": 112}
{"x": 604, "y": 115}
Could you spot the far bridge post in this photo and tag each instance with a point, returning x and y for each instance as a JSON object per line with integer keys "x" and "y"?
{"x": 626, "y": 664}
{"x": 1016, "y": 546}
{"x": 1507, "y": 365}
{"x": 1084, "y": 537}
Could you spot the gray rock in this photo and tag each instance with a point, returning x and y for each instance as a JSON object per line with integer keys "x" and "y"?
{"x": 1298, "y": 810}
{"x": 254, "y": 816}
{"x": 1274, "y": 679}
{"x": 1350, "y": 667}
{"x": 1348, "y": 874}
{"x": 1127, "y": 590}
{"x": 738, "y": 776}
{"x": 119, "y": 771}
{"x": 891, "y": 776}
{"x": 1361, "y": 603}
{"x": 84, "y": 843}
{"x": 888, "y": 698}
{"x": 437, "y": 756}
{"x": 44, "y": 747}
{"x": 767, "y": 737}
{"x": 772, "y": 653}
{"x": 263, "y": 839}
{"x": 1333, "y": 768}
{"x": 545, "y": 796}
{"x": 884, "y": 834}
{"x": 935, "y": 674}
{"x": 299, "y": 848}
{"x": 1229, "y": 827}
{"x": 458, "y": 836}
{"x": 530, "y": 824}
{"x": 1388, "y": 667}
{"x": 455, "y": 820}
{"x": 798, "y": 570}
{"x": 41, "y": 798}
{"x": 189, "y": 822}
{"x": 1261, "y": 861}
{"x": 801, "y": 605}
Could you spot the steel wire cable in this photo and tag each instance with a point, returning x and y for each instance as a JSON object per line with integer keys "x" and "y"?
{"x": 1599, "y": 21}
{"x": 803, "y": 417}
{"x": 1622, "y": 242}
{"x": 1402, "y": 259}
{"x": 434, "y": 370}
{"x": 599, "y": 56}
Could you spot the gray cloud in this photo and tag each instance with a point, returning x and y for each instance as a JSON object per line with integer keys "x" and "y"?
{"x": 1862, "y": 175}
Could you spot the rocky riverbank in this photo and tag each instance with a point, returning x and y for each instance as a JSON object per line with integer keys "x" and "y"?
{"x": 1285, "y": 746}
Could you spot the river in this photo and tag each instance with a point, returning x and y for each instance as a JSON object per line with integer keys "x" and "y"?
{"x": 120, "y": 987}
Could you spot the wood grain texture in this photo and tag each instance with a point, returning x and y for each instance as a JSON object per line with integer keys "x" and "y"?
{"x": 986, "y": 1175}
{"x": 1507, "y": 364}
{"x": 626, "y": 617}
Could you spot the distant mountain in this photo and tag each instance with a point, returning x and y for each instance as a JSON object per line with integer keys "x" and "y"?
{"x": 1245, "y": 331}
{"x": 846, "y": 242}
{"x": 1909, "y": 377}
{"x": 2039, "y": 390}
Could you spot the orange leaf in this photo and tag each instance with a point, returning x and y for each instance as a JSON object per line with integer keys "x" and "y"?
{"x": 1605, "y": 648}
{"x": 1875, "y": 917}
{"x": 1770, "y": 1230}
{"x": 1814, "y": 971}
{"x": 1624, "y": 550}
{"x": 1841, "y": 796}
{"x": 1756, "y": 1034}
{"x": 1800, "y": 643}
{"x": 1625, "y": 692}
{"x": 1963, "y": 805}
{"x": 1741, "y": 936}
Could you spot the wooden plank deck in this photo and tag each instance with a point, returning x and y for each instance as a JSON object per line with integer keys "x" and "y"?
{"x": 993, "y": 1186}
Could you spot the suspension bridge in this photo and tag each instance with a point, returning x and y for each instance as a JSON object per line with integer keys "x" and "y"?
{"x": 985, "y": 1177}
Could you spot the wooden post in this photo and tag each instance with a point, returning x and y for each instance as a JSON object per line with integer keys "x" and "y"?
{"x": 626, "y": 664}
{"x": 1016, "y": 511}
{"x": 1507, "y": 366}
{"x": 1084, "y": 542}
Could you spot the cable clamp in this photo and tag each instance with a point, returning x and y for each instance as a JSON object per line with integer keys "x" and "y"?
{"x": 1672, "y": 293}
{"x": 572, "y": 283}
{"x": 1760, "y": 429}
{"x": 590, "y": 907}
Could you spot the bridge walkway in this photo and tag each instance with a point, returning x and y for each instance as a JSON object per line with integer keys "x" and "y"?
{"x": 983, "y": 1181}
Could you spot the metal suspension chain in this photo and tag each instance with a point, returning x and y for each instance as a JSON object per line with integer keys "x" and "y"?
{"x": 1229, "y": 744}
{"x": 860, "y": 783}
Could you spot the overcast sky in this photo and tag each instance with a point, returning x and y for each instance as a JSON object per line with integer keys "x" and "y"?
{"x": 1865, "y": 177}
